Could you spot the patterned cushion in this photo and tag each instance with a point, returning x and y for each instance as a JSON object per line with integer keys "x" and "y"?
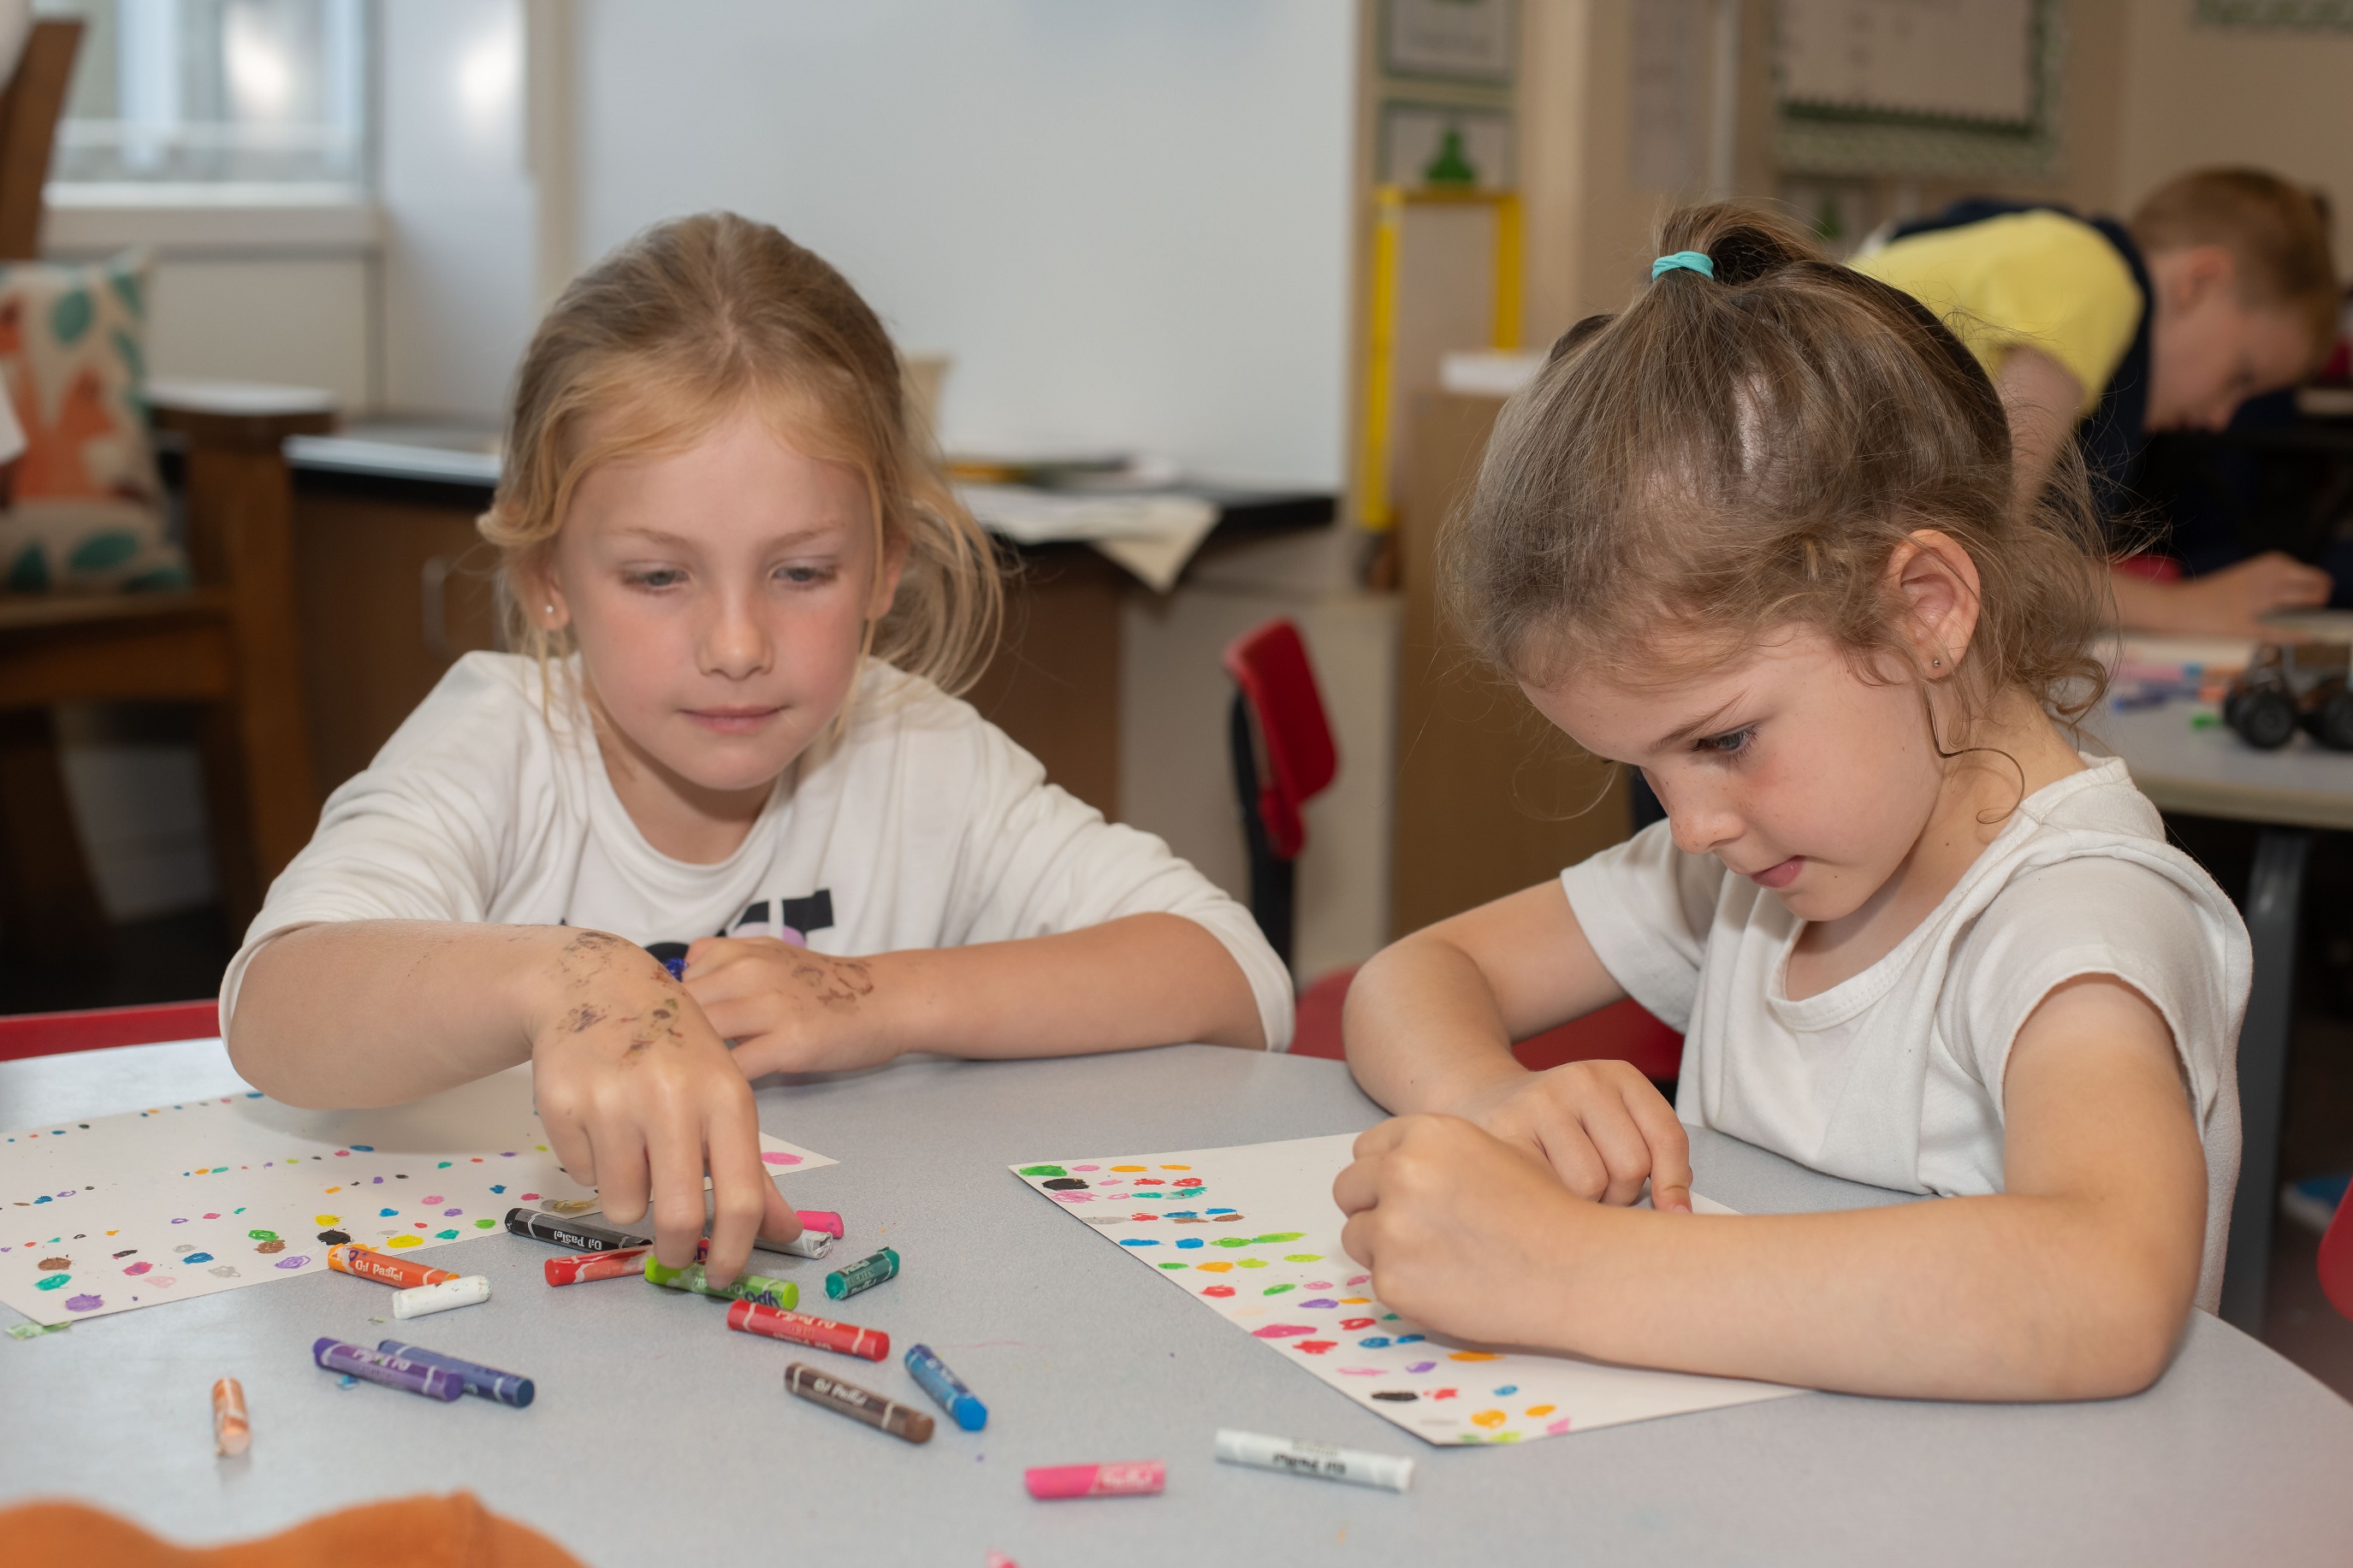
{"x": 87, "y": 508}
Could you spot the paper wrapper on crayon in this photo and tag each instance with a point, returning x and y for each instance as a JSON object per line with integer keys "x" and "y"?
{"x": 751, "y": 1318}
{"x": 862, "y": 1275}
{"x": 806, "y": 1382}
{"x": 232, "y": 1433}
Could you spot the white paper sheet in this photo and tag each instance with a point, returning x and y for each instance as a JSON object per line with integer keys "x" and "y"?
{"x": 1253, "y": 1234}
{"x": 111, "y": 1213}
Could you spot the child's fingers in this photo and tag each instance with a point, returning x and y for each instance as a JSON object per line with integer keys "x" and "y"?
{"x": 1357, "y": 1188}
{"x": 1357, "y": 1238}
{"x": 1378, "y": 1139}
{"x": 740, "y": 1188}
{"x": 574, "y": 1152}
{"x": 1670, "y": 1147}
{"x": 1620, "y": 1144}
{"x": 777, "y": 1220}
{"x": 619, "y": 1154}
{"x": 675, "y": 1154}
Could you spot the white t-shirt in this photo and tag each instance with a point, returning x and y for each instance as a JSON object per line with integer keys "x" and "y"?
{"x": 1893, "y": 1077}
{"x": 921, "y": 826}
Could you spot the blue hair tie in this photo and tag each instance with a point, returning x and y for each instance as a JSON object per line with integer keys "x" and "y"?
{"x": 1696, "y": 260}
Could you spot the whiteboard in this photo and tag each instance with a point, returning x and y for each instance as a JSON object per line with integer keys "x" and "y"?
{"x": 1966, "y": 59}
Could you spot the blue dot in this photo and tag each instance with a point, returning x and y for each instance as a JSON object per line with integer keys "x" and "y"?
{"x": 1408, "y": 1338}
{"x": 1376, "y": 1343}
{"x": 1221, "y": 1211}
{"x": 1192, "y": 1241}
{"x": 1139, "y": 1243}
{"x": 1507, "y": 1391}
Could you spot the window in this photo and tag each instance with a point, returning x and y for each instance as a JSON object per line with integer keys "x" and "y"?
{"x": 238, "y": 99}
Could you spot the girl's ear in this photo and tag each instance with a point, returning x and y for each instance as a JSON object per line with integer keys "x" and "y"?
{"x": 1937, "y": 583}
{"x": 544, "y": 603}
{"x": 892, "y": 566}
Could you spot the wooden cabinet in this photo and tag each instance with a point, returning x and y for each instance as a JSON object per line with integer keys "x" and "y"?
{"x": 1490, "y": 798}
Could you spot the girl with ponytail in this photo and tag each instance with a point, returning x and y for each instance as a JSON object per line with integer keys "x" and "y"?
{"x": 1756, "y": 535}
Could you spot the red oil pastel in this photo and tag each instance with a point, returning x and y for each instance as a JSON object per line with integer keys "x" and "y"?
{"x": 1135, "y": 1478}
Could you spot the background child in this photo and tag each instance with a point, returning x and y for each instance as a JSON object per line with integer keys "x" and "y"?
{"x": 2221, "y": 288}
{"x": 741, "y": 588}
{"x": 1756, "y": 536}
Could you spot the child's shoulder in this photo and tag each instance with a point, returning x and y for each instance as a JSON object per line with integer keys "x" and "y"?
{"x": 892, "y": 712}
{"x": 483, "y": 700}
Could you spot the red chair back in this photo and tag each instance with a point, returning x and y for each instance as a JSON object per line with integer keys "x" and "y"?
{"x": 54, "y": 1034}
{"x": 1623, "y": 1032}
{"x": 2336, "y": 1257}
{"x": 1270, "y": 666}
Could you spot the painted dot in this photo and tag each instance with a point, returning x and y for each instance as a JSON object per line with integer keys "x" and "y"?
{"x": 1282, "y": 1331}
{"x": 1421, "y": 1367}
{"x": 142, "y": 1267}
{"x": 1508, "y": 1389}
{"x": 526, "y": 1197}
{"x": 446, "y": 1234}
{"x": 1314, "y": 1347}
{"x": 1172, "y": 1266}
{"x": 1274, "y": 1237}
{"x": 451, "y": 1214}
{"x": 1398, "y": 1395}
{"x": 1537, "y": 1410}
{"x": 1058, "y": 1170}
{"x": 1556, "y": 1428}
{"x": 364, "y": 1148}
{"x": 1277, "y": 1289}
{"x": 57, "y": 1263}
{"x": 262, "y": 1235}
{"x": 224, "y": 1270}
{"x": 405, "y": 1241}
{"x": 1353, "y": 1324}
{"x": 778, "y": 1157}
{"x": 325, "y": 1219}
{"x": 1086, "y": 1167}
{"x": 1221, "y": 1211}
{"x": 84, "y": 1303}
{"x": 1324, "y": 1302}
{"x": 1304, "y": 1258}
{"x": 1135, "y": 1241}
{"x": 1171, "y": 1167}
{"x": 197, "y": 1258}
{"x": 433, "y": 1199}
{"x": 1319, "y": 1284}
{"x": 273, "y": 1245}
{"x": 502, "y": 1187}
{"x": 1489, "y": 1418}
{"x": 1472, "y": 1355}
{"x": 385, "y": 1213}
{"x": 295, "y": 1262}
{"x": 1233, "y": 1241}
{"x": 54, "y": 1281}
{"x": 1408, "y": 1338}
{"x": 1221, "y": 1292}
{"x": 484, "y": 1223}
{"x": 331, "y": 1238}
{"x": 1253, "y": 1263}
{"x": 1377, "y": 1343}
{"x": 1213, "y": 1267}
{"x": 1191, "y": 1241}
{"x": 1114, "y": 1167}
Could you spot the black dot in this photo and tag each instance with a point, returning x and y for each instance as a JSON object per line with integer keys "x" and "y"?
{"x": 1064, "y": 1185}
{"x": 334, "y": 1237}
{"x": 1398, "y": 1395}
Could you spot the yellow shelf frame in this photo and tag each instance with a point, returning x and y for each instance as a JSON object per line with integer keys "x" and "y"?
{"x": 1374, "y": 506}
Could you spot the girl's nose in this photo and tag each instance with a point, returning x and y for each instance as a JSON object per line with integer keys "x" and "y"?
{"x": 1700, "y": 826}
{"x": 736, "y": 643}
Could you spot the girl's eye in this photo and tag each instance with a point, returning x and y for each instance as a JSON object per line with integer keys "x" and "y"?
{"x": 659, "y": 577}
{"x": 806, "y": 576}
{"x": 1732, "y": 743}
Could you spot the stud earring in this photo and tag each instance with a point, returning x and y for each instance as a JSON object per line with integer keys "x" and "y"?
{"x": 1933, "y": 664}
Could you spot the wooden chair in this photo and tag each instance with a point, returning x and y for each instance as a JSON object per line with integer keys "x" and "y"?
{"x": 227, "y": 643}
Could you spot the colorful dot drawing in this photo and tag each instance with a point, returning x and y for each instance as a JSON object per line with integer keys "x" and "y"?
{"x": 1303, "y": 1302}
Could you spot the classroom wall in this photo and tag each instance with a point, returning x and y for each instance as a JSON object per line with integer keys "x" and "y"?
{"x": 2276, "y": 99}
{"x": 1127, "y": 223}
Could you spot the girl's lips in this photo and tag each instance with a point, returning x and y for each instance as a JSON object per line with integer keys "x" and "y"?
{"x": 1779, "y": 875}
{"x": 732, "y": 720}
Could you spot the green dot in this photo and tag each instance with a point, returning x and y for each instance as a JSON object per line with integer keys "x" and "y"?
{"x": 1251, "y": 1263}
{"x": 1176, "y": 1266}
{"x": 1303, "y": 1257}
{"x": 484, "y": 1223}
{"x": 1231, "y": 1241}
{"x": 1277, "y": 1289}
{"x": 262, "y": 1235}
{"x": 1273, "y": 1236}
{"x": 1043, "y": 1170}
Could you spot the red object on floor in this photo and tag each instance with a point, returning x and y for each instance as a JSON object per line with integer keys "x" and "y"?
{"x": 55, "y": 1034}
{"x": 2336, "y": 1258}
{"x": 1624, "y": 1031}
{"x": 1270, "y": 664}
{"x": 2153, "y": 568}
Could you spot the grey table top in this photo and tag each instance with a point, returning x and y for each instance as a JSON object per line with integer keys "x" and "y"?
{"x": 2207, "y": 770}
{"x": 657, "y": 1433}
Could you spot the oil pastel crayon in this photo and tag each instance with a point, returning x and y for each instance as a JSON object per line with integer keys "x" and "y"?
{"x": 392, "y": 1371}
{"x": 467, "y": 1291}
{"x": 232, "y": 1433}
{"x": 824, "y": 1220}
{"x": 808, "y": 1244}
{"x": 1136, "y": 1477}
{"x": 803, "y": 1380}
{"x": 947, "y": 1390}
{"x": 863, "y": 1275}
{"x": 751, "y": 1318}
{"x": 781, "y": 1294}
{"x": 1357, "y": 1467}
{"x": 485, "y": 1382}
{"x": 363, "y": 1263}
{"x": 577, "y": 1235}
{"x": 578, "y": 1267}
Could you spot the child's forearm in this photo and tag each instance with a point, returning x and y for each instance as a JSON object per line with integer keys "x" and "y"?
{"x": 363, "y": 1013}
{"x": 1423, "y": 1028}
{"x": 1144, "y": 980}
{"x": 1985, "y": 1298}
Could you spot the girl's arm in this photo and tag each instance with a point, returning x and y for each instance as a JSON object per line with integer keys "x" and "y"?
{"x": 1143, "y": 980}
{"x": 1429, "y": 1025}
{"x": 638, "y": 1094}
{"x": 2074, "y": 1283}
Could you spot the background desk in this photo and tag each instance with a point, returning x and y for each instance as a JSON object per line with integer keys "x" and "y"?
{"x": 658, "y": 1436}
{"x": 2208, "y": 771}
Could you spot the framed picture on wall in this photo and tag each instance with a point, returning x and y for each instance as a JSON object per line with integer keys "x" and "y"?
{"x": 1452, "y": 40}
{"x": 1444, "y": 146}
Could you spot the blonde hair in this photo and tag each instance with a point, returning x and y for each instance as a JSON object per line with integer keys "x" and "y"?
{"x": 662, "y": 340}
{"x": 2276, "y": 232}
{"x": 1737, "y": 454}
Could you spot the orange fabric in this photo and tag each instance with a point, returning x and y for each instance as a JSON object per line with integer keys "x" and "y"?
{"x": 454, "y": 1531}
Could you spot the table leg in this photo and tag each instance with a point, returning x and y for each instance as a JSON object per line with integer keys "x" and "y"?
{"x": 2274, "y": 890}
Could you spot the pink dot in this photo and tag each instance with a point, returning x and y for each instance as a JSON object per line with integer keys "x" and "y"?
{"x": 529, "y": 1196}
{"x": 774, "y": 1158}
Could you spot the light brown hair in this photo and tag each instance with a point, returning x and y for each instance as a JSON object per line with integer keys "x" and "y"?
{"x": 649, "y": 349}
{"x": 1731, "y": 456}
{"x": 2276, "y": 232}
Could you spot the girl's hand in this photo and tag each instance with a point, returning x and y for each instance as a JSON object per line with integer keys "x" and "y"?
{"x": 639, "y": 1098}
{"x": 788, "y": 1009}
{"x": 1602, "y": 1127}
{"x": 1464, "y": 1234}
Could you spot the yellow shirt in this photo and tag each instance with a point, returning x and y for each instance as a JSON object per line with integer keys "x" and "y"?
{"x": 2040, "y": 279}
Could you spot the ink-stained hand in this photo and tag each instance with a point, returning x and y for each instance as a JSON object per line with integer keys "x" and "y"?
{"x": 1462, "y": 1233}
{"x": 1601, "y": 1126}
{"x": 788, "y": 1009}
{"x": 640, "y": 1098}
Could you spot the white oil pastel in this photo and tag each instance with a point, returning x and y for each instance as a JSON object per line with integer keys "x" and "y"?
{"x": 106, "y": 1213}
{"x": 1253, "y": 1234}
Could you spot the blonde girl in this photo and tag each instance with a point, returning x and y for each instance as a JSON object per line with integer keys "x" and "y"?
{"x": 1755, "y": 535}
{"x": 722, "y": 794}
